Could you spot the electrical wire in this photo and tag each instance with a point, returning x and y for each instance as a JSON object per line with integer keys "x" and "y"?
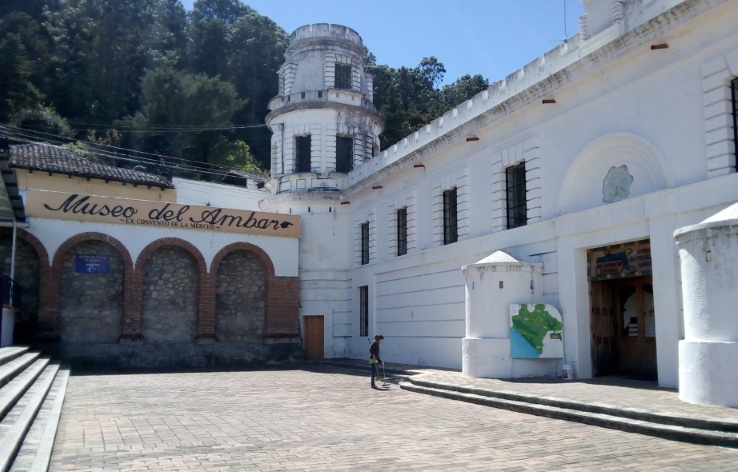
{"x": 181, "y": 165}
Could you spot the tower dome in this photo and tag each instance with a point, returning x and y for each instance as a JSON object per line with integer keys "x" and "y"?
{"x": 323, "y": 121}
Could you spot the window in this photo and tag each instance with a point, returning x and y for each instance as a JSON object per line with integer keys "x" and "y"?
{"x": 401, "y": 231}
{"x": 450, "y": 217}
{"x": 364, "y": 311}
{"x": 343, "y": 76}
{"x": 734, "y": 88}
{"x": 302, "y": 154}
{"x": 517, "y": 206}
{"x": 344, "y": 154}
{"x": 365, "y": 243}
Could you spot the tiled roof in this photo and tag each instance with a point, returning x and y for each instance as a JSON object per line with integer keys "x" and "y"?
{"x": 58, "y": 160}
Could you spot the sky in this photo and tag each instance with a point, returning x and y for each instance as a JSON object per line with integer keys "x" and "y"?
{"x": 493, "y": 38}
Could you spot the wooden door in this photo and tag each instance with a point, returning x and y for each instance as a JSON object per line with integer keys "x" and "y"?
{"x": 314, "y": 345}
{"x": 604, "y": 328}
{"x": 622, "y": 321}
{"x": 637, "y": 342}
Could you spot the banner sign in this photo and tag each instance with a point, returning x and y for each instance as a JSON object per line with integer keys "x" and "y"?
{"x": 91, "y": 264}
{"x": 632, "y": 259}
{"x": 80, "y": 207}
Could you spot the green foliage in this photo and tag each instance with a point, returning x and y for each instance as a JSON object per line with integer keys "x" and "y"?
{"x": 22, "y": 50}
{"x": 178, "y": 111}
{"x": 233, "y": 154}
{"x": 408, "y": 98}
{"x": 42, "y": 120}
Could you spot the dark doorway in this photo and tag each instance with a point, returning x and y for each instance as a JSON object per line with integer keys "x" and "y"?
{"x": 623, "y": 326}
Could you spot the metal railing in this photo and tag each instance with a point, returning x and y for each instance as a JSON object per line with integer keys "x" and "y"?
{"x": 11, "y": 291}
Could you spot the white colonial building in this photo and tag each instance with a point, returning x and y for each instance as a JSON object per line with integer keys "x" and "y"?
{"x": 562, "y": 184}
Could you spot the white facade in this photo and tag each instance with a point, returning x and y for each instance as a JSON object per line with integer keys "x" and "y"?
{"x": 646, "y": 84}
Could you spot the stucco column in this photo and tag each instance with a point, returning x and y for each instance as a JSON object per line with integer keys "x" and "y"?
{"x": 709, "y": 266}
{"x": 492, "y": 284}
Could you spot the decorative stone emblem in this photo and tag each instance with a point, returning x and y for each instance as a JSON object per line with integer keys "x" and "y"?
{"x": 616, "y": 185}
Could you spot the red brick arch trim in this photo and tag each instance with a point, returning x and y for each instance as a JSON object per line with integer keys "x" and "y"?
{"x": 49, "y": 315}
{"x": 46, "y": 295}
{"x": 282, "y": 303}
{"x": 266, "y": 261}
{"x": 41, "y": 252}
{"x": 206, "y": 295}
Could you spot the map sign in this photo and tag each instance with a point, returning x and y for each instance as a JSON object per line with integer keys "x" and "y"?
{"x": 536, "y": 332}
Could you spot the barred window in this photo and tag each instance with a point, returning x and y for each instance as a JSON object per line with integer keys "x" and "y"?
{"x": 302, "y": 154}
{"x": 517, "y": 205}
{"x": 343, "y": 77}
{"x": 344, "y": 154}
{"x": 364, "y": 311}
{"x": 450, "y": 217}
{"x": 734, "y": 89}
{"x": 365, "y": 243}
{"x": 401, "y": 231}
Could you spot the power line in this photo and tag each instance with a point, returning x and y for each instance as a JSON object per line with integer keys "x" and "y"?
{"x": 183, "y": 165}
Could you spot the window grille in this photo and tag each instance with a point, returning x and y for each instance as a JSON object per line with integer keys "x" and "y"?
{"x": 343, "y": 77}
{"x": 517, "y": 205}
{"x": 302, "y": 154}
{"x": 365, "y": 243}
{"x": 734, "y": 89}
{"x": 344, "y": 154}
{"x": 401, "y": 231}
{"x": 364, "y": 311}
{"x": 450, "y": 217}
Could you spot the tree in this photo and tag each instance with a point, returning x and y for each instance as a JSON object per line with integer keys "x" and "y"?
{"x": 102, "y": 49}
{"x": 409, "y": 98}
{"x": 42, "y": 120}
{"x": 179, "y": 114}
{"x": 463, "y": 89}
{"x": 232, "y": 41}
{"x": 234, "y": 154}
{"x": 23, "y": 50}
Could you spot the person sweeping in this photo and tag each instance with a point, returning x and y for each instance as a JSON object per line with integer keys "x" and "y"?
{"x": 374, "y": 359}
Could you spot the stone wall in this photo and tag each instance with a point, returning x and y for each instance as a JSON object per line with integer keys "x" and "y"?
{"x": 170, "y": 287}
{"x": 91, "y": 305}
{"x": 27, "y": 275}
{"x": 240, "y": 298}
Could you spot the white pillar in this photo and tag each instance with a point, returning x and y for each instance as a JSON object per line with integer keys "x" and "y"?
{"x": 709, "y": 266}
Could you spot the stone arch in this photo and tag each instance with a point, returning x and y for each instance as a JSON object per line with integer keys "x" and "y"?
{"x": 241, "y": 309}
{"x": 31, "y": 269}
{"x": 194, "y": 276}
{"x": 48, "y": 298}
{"x": 87, "y": 309}
{"x": 582, "y": 186}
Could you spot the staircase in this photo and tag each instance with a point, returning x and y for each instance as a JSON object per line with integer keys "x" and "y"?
{"x": 32, "y": 389}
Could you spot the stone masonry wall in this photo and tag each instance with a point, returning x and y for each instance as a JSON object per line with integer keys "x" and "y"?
{"x": 240, "y": 298}
{"x": 27, "y": 275}
{"x": 170, "y": 288}
{"x": 91, "y": 305}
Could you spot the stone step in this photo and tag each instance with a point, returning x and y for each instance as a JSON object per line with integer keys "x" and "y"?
{"x": 672, "y": 419}
{"x": 16, "y": 366}
{"x": 35, "y": 453}
{"x": 18, "y": 420}
{"x": 15, "y": 389}
{"x": 612, "y": 421}
{"x": 9, "y": 353}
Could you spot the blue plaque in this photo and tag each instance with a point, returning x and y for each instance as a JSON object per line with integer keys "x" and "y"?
{"x": 92, "y": 264}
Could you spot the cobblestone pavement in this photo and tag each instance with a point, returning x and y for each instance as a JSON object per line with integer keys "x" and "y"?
{"x": 329, "y": 419}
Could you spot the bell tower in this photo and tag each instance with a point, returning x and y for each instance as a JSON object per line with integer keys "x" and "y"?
{"x": 323, "y": 121}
